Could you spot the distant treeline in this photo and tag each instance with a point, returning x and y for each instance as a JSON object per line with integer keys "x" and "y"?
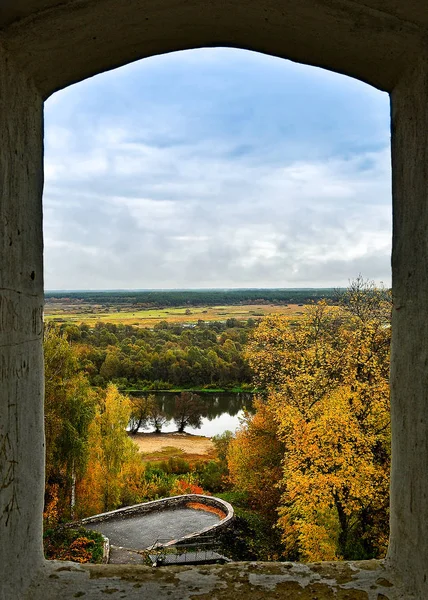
{"x": 163, "y": 298}
{"x": 169, "y": 356}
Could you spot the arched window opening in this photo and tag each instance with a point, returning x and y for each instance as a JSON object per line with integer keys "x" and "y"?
{"x": 219, "y": 169}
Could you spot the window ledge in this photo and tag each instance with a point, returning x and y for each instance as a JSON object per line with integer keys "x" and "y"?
{"x": 359, "y": 580}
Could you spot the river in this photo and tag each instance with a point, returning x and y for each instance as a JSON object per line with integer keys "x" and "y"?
{"x": 223, "y": 411}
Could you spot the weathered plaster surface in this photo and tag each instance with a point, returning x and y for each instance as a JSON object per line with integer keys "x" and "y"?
{"x": 346, "y": 36}
{"x": 255, "y": 581}
{"x": 412, "y": 11}
{"x": 409, "y": 364}
{"x": 21, "y": 363}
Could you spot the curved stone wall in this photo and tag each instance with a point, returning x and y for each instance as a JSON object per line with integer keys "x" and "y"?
{"x": 168, "y": 504}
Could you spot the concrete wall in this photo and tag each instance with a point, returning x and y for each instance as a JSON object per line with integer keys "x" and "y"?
{"x": 75, "y": 39}
{"x": 409, "y": 362}
{"x": 159, "y": 505}
{"x": 48, "y": 44}
{"x": 21, "y": 302}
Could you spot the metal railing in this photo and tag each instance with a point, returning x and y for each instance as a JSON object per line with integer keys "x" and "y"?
{"x": 205, "y": 551}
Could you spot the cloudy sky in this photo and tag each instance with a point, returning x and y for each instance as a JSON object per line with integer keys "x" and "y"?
{"x": 216, "y": 168}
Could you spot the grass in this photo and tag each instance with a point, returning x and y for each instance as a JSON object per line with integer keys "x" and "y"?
{"x": 150, "y": 317}
{"x": 158, "y": 457}
{"x": 166, "y": 452}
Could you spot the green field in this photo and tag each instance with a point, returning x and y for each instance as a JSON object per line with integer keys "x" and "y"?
{"x": 79, "y": 313}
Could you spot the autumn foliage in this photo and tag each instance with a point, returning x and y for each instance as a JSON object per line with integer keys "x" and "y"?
{"x": 78, "y": 545}
{"x": 91, "y": 463}
{"x": 312, "y": 462}
{"x": 206, "y": 508}
{"x": 69, "y": 410}
{"x": 255, "y": 459}
{"x": 317, "y": 452}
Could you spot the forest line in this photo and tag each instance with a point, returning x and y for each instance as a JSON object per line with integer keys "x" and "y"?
{"x": 211, "y": 297}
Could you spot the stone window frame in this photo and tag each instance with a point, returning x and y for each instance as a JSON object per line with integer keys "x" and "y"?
{"x": 45, "y": 46}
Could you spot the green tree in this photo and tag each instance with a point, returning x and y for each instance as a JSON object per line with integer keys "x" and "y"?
{"x": 69, "y": 410}
{"x": 141, "y": 410}
{"x": 157, "y": 417}
{"x": 189, "y": 410}
{"x": 221, "y": 443}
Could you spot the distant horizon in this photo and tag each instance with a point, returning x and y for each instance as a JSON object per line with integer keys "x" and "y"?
{"x": 190, "y": 289}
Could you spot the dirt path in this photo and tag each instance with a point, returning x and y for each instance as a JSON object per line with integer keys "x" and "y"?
{"x": 189, "y": 444}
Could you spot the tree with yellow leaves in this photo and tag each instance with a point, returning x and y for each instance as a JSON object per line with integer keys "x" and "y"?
{"x": 115, "y": 468}
{"x": 325, "y": 378}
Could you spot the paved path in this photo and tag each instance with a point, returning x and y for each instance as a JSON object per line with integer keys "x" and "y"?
{"x": 142, "y": 531}
{"x": 120, "y": 556}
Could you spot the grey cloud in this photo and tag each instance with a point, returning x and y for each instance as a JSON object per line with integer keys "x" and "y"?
{"x": 132, "y": 215}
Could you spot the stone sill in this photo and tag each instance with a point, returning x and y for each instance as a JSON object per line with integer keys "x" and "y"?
{"x": 359, "y": 580}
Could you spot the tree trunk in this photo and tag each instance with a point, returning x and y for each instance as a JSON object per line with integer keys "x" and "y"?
{"x": 73, "y": 491}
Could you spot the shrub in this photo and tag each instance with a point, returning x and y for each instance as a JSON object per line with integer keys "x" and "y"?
{"x": 186, "y": 485}
{"x": 211, "y": 475}
{"x": 78, "y": 545}
{"x": 175, "y": 465}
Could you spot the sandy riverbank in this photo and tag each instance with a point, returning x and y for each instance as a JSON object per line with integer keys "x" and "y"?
{"x": 187, "y": 443}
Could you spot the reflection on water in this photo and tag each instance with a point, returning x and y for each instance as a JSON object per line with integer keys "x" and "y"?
{"x": 223, "y": 411}
{"x": 210, "y": 427}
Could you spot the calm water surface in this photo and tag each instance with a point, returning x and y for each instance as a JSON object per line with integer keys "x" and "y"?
{"x": 223, "y": 411}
